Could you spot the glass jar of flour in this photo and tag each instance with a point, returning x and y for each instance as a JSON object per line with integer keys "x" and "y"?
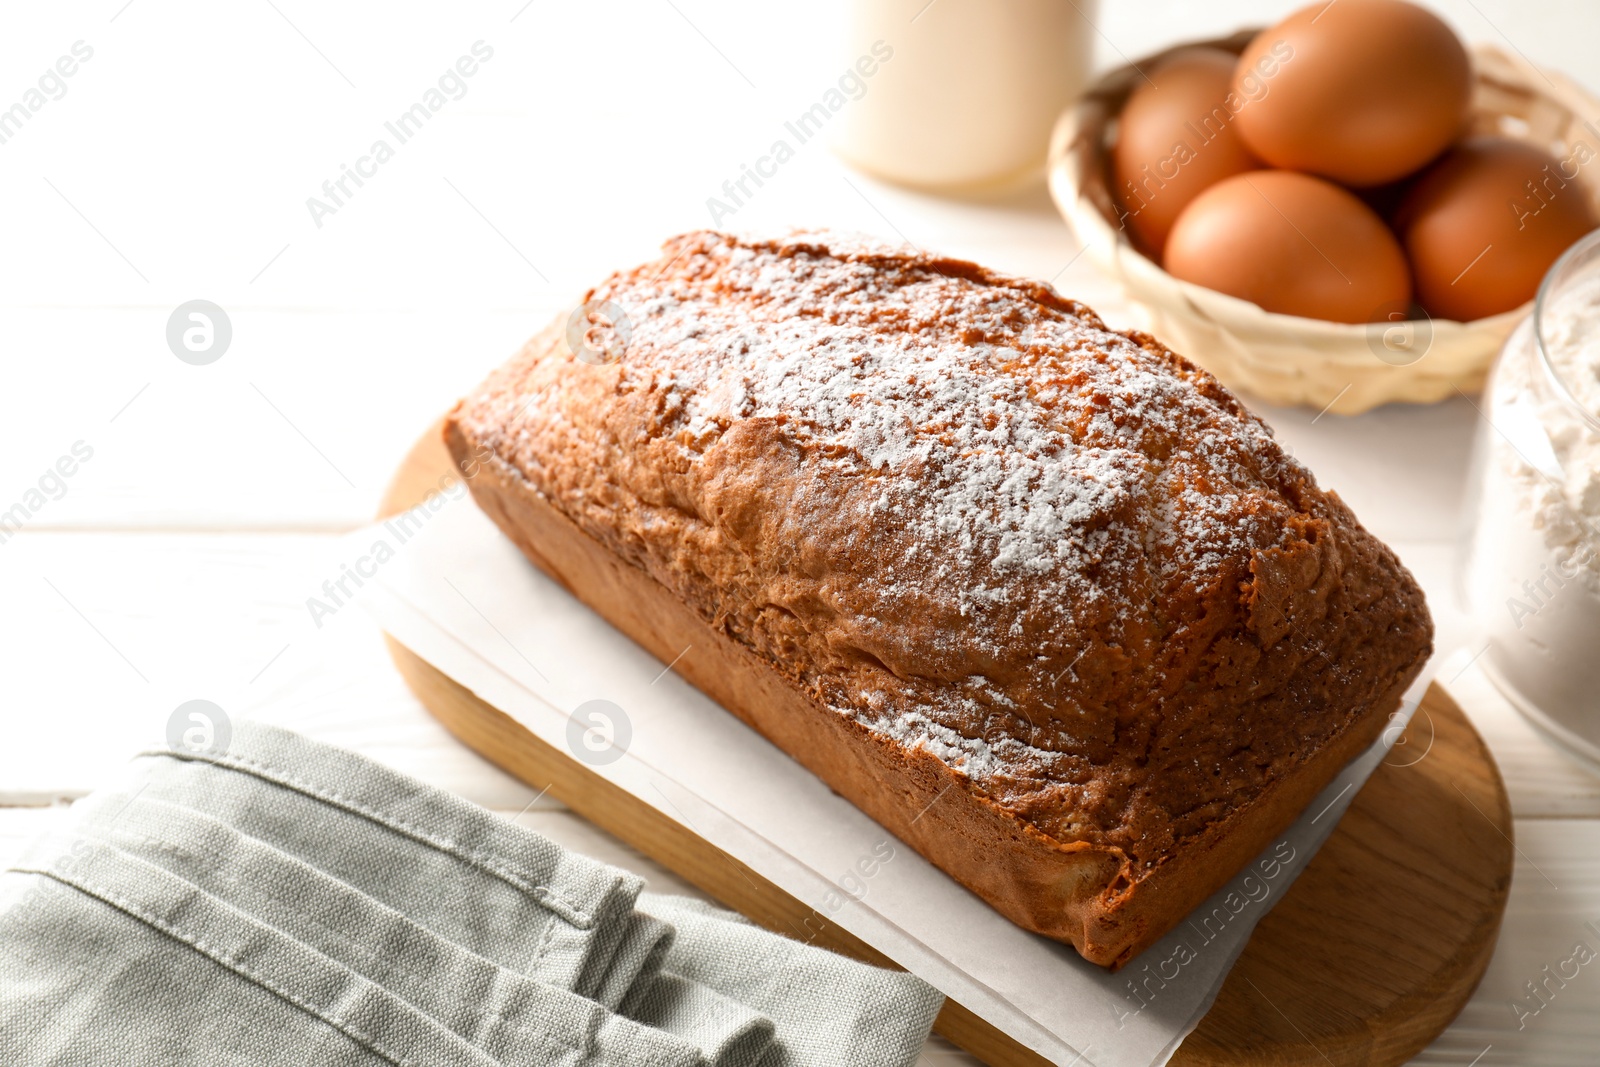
{"x": 1533, "y": 565}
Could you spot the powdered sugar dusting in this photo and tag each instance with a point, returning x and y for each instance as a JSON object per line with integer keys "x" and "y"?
{"x": 953, "y": 505}
{"x": 1004, "y": 468}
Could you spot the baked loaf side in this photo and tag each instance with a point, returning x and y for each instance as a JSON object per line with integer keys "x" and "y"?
{"x": 970, "y": 540}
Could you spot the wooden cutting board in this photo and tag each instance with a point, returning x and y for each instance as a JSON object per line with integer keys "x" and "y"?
{"x": 1365, "y": 959}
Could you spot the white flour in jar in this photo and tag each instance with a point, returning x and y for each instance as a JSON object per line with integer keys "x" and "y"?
{"x": 1564, "y": 504}
{"x": 1536, "y": 560}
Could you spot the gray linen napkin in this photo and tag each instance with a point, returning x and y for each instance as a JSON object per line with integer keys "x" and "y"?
{"x": 492, "y": 887}
{"x": 516, "y": 1019}
{"x": 727, "y": 1032}
{"x": 104, "y": 959}
{"x": 827, "y": 1009}
{"x": 355, "y": 871}
{"x": 512, "y": 895}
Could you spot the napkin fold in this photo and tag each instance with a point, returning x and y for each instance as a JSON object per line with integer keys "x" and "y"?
{"x": 826, "y": 1013}
{"x": 327, "y": 909}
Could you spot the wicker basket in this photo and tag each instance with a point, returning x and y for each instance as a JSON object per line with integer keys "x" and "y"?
{"x": 1286, "y": 359}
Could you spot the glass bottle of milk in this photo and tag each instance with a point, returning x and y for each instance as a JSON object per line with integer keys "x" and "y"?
{"x": 966, "y": 91}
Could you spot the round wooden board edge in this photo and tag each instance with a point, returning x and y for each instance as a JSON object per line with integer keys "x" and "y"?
{"x": 1372, "y": 1040}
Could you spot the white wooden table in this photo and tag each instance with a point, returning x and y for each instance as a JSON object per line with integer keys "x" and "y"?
{"x": 175, "y": 164}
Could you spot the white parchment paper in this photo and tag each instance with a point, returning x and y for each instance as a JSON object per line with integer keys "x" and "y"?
{"x": 445, "y": 583}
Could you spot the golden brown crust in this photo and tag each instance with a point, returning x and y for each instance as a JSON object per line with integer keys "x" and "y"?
{"x": 955, "y": 539}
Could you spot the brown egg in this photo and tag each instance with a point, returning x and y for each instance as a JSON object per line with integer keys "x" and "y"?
{"x": 1482, "y": 225}
{"x": 1360, "y": 91}
{"x": 1175, "y": 137}
{"x": 1293, "y": 244}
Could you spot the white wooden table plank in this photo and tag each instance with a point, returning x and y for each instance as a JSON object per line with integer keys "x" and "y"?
{"x": 1541, "y": 781}
{"x": 1554, "y": 907}
{"x": 298, "y": 425}
{"x": 108, "y": 632}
